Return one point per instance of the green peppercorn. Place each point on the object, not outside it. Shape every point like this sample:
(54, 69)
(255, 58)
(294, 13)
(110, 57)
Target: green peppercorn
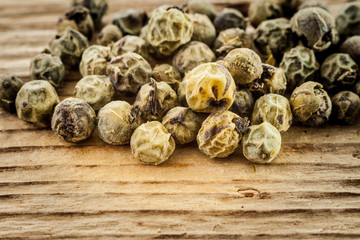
(181, 92)
(313, 3)
(346, 107)
(261, 10)
(357, 88)
(201, 7)
(109, 35)
(351, 46)
(95, 60)
(10, 84)
(229, 18)
(167, 73)
(130, 21)
(204, 30)
(130, 43)
(97, 9)
(348, 19)
(243, 103)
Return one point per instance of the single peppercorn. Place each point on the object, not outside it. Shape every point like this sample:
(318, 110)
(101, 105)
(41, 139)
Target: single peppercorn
(300, 65)
(244, 65)
(109, 35)
(128, 72)
(261, 10)
(152, 150)
(357, 88)
(168, 28)
(73, 120)
(315, 27)
(95, 60)
(130, 43)
(182, 123)
(130, 21)
(204, 30)
(230, 39)
(47, 67)
(167, 73)
(10, 84)
(348, 19)
(96, 90)
(35, 102)
(69, 46)
(311, 104)
(346, 107)
(351, 46)
(243, 103)
(338, 71)
(261, 143)
(181, 92)
(229, 18)
(209, 88)
(313, 3)
(79, 19)
(221, 133)
(201, 7)
(116, 122)
(191, 55)
(274, 109)
(154, 99)
(97, 9)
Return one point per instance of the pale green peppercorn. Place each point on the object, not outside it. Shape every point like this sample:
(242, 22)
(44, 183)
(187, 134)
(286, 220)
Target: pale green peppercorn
(351, 46)
(109, 35)
(97, 9)
(261, 10)
(95, 60)
(243, 103)
(10, 84)
(201, 7)
(346, 107)
(130, 43)
(313, 3)
(348, 19)
(204, 30)
(229, 18)
(167, 73)
(130, 21)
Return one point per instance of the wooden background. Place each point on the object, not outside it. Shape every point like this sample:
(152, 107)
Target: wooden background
(53, 189)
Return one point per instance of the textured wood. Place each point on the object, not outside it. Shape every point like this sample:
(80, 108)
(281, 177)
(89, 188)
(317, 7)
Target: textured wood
(53, 189)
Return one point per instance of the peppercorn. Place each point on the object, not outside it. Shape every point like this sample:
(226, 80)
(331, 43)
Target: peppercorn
(209, 88)
(315, 27)
(151, 143)
(230, 39)
(204, 30)
(96, 90)
(47, 67)
(128, 72)
(272, 80)
(116, 122)
(274, 109)
(201, 7)
(97, 9)
(191, 55)
(357, 88)
(35, 102)
(221, 133)
(299, 65)
(313, 3)
(10, 84)
(167, 73)
(244, 65)
(346, 107)
(95, 60)
(351, 46)
(73, 120)
(181, 92)
(69, 46)
(348, 19)
(130, 43)
(130, 21)
(109, 35)
(229, 18)
(182, 123)
(274, 35)
(168, 28)
(154, 99)
(243, 103)
(261, 10)
(261, 143)
(311, 104)
(79, 19)
(338, 71)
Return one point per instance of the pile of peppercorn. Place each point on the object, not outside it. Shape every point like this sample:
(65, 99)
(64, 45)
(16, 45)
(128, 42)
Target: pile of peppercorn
(239, 77)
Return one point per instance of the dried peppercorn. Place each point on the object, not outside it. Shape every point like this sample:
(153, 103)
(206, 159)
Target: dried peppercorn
(130, 21)
(313, 3)
(73, 120)
(311, 104)
(261, 143)
(152, 150)
(10, 84)
(348, 19)
(209, 88)
(204, 30)
(116, 122)
(274, 109)
(261, 10)
(182, 123)
(191, 55)
(351, 46)
(346, 107)
(181, 92)
(167, 73)
(128, 72)
(96, 90)
(97, 9)
(229, 18)
(338, 71)
(130, 43)
(201, 7)
(95, 60)
(154, 99)
(221, 133)
(357, 88)
(35, 102)
(79, 19)
(69, 46)
(243, 103)
(109, 35)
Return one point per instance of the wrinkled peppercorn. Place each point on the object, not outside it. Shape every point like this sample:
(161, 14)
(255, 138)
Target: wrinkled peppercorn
(243, 103)
(348, 19)
(346, 107)
(95, 60)
(229, 18)
(351, 46)
(201, 7)
(97, 9)
(204, 30)
(10, 84)
(109, 35)
(261, 10)
(167, 73)
(130, 43)
(130, 21)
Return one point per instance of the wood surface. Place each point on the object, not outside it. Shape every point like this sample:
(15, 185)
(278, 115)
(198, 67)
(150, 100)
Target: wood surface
(50, 189)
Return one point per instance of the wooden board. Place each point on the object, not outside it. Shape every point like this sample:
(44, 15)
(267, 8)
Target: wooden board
(53, 189)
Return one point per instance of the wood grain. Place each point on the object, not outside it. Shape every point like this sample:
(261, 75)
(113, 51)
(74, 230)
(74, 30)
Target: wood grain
(50, 189)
